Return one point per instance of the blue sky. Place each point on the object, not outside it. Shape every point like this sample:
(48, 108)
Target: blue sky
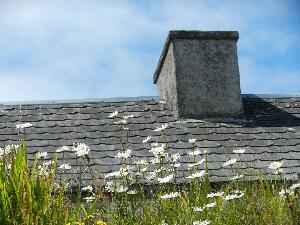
(91, 49)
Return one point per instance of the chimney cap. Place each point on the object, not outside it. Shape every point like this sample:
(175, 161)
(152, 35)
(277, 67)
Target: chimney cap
(192, 34)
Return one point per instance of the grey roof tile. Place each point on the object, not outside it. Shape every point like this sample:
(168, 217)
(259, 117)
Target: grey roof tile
(269, 132)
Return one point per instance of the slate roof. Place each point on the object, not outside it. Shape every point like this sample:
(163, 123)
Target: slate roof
(269, 132)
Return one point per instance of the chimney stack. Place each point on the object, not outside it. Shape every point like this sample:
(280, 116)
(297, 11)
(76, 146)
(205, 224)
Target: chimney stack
(198, 74)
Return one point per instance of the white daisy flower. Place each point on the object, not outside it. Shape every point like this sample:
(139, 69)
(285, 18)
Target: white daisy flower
(8, 166)
(121, 188)
(155, 160)
(166, 179)
(48, 163)
(113, 114)
(234, 196)
(236, 177)
(194, 153)
(124, 155)
(89, 199)
(230, 162)
(230, 197)
(4, 151)
(171, 195)
(88, 188)
(151, 176)
(211, 205)
(158, 151)
(147, 139)
(122, 172)
(192, 140)
(163, 127)
(275, 165)
(131, 192)
(204, 222)
(176, 165)
(121, 122)
(23, 125)
(111, 174)
(63, 149)
(174, 157)
(41, 155)
(109, 186)
(217, 194)
(278, 171)
(284, 192)
(196, 175)
(295, 186)
(10, 147)
(239, 151)
(199, 209)
(127, 117)
(238, 192)
(65, 166)
(154, 144)
(192, 165)
(81, 149)
(143, 170)
(43, 170)
(141, 162)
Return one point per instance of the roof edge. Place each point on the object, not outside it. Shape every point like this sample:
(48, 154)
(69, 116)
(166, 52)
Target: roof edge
(266, 96)
(88, 100)
(191, 34)
(131, 99)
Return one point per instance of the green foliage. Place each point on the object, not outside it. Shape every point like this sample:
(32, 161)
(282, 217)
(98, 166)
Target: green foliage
(28, 195)
(152, 194)
(255, 207)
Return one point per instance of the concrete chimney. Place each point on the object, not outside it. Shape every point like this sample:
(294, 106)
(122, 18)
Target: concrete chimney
(198, 74)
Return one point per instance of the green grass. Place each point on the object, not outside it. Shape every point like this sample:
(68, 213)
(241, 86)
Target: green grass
(29, 197)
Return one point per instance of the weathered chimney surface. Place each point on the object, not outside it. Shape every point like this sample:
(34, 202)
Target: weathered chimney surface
(198, 74)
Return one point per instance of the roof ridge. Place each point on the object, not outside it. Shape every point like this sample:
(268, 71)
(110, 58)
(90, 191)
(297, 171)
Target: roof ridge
(130, 99)
(85, 100)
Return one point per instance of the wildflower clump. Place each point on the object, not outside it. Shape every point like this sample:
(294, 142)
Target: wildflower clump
(163, 185)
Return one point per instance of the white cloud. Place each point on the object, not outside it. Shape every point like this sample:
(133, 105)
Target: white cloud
(22, 86)
(264, 80)
(80, 49)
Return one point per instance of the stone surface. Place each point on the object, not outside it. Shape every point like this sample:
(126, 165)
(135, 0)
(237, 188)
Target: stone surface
(199, 76)
(167, 82)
